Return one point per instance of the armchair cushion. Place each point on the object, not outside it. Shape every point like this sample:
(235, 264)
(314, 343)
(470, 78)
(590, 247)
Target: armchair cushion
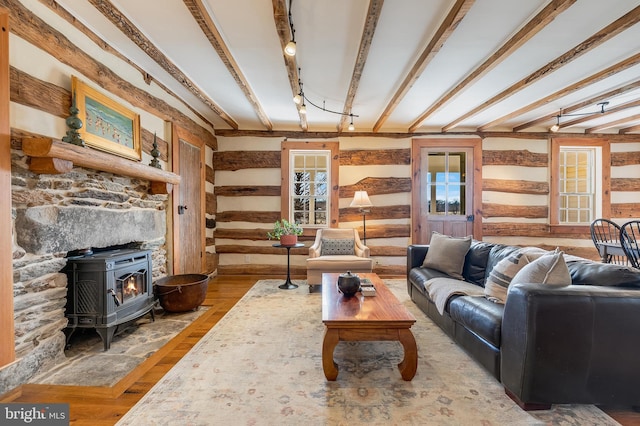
(337, 246)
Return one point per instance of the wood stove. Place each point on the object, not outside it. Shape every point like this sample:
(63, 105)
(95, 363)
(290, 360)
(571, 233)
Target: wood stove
(108, 290)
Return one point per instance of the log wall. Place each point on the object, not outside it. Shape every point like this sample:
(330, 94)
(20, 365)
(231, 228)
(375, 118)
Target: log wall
(515, 199)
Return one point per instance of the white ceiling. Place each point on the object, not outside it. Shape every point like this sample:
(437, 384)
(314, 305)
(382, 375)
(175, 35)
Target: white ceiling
(328, 35)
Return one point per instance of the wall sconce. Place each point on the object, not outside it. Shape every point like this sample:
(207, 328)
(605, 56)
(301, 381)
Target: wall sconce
(361, 200)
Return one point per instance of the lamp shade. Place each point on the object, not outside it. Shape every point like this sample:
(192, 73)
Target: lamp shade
(361, 199)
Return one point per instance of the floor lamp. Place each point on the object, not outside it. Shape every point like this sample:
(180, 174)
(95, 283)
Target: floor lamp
(361, 200)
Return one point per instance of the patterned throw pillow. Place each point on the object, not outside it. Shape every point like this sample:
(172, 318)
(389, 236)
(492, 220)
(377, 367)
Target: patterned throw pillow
(336, 247)
(550, 269)
(495, 289)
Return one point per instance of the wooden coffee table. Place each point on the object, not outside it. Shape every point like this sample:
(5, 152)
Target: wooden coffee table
(370, 318)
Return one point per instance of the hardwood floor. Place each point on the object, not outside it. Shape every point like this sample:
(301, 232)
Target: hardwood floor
(97, 406)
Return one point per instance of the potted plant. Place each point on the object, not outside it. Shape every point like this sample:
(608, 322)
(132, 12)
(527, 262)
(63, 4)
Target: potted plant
(285, 231)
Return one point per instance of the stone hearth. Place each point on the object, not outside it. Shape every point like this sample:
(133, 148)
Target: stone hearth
(87, 364)
(53, 215)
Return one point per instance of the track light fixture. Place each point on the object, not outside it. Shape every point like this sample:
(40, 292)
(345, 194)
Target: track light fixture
(556, 126)
(301, 98)
(290, 48)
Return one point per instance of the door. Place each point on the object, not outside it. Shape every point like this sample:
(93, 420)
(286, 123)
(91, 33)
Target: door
(446, 184)
(188, 203)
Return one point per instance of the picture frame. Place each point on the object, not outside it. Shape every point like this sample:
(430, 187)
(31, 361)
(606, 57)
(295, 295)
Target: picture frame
(106, 125)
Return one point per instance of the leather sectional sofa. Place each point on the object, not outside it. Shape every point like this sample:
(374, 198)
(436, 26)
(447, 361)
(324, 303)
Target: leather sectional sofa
(547, 345)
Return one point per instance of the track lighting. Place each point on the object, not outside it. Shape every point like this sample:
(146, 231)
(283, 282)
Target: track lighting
(290, 48)
(556, 126)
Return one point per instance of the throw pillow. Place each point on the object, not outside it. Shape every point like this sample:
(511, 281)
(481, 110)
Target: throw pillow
(337, 246)
(495, 288)
(446, 254)
(550, 269)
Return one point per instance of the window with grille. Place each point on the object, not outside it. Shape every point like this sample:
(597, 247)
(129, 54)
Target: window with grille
(310, 177)
(578, 185)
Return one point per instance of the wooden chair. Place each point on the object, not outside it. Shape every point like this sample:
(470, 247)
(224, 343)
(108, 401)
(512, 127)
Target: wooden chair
(629, 237)
(606, 237)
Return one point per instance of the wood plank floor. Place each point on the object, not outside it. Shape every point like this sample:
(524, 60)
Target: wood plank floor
(97, 406)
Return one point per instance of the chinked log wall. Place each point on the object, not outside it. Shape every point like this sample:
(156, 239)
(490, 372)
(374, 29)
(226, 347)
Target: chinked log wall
(239, 160)
(525, 158)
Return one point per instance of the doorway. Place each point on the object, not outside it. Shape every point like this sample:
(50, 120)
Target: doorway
(447, 184)
(189, 234)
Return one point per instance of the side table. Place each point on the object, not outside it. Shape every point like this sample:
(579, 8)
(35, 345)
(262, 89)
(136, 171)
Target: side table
(288, 285)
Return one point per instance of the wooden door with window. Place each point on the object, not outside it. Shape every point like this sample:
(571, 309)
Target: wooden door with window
(447, 185)
(189, 234)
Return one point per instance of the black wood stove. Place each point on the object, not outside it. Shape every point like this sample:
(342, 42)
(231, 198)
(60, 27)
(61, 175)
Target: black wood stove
(108, 290)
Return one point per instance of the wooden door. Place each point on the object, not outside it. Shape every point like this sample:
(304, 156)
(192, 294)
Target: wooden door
(445, 189)
(188, 203)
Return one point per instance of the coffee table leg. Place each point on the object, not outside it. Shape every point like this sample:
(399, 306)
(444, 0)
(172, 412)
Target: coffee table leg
(331, 339)
(409, 364)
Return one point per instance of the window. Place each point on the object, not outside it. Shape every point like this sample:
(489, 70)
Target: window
(446, 186)
(577, 185)
(579, 194)
(309, 191)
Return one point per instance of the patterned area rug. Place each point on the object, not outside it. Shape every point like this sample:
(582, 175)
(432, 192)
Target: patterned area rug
(262, 365)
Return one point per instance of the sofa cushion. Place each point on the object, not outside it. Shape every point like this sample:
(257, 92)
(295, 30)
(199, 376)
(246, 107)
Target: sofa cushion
(419, 277)
(500, 276)
(550, 269)
(441, 289)
(476, 262)
(337, 246)
(587, 272)
(447, 254)
(479, 316)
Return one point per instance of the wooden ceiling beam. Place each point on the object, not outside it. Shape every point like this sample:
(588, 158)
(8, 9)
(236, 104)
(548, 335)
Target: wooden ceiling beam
(526, 33)
(607, 33)
(630, 129)
(210, 30)
(373, 14)
(576, 107)
(611, 124)
(73, 20)
(448, 26)
(281, 18)
(589, 117)
(118, 19)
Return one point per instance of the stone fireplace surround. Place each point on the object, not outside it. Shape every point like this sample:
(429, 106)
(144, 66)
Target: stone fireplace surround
(53, 215)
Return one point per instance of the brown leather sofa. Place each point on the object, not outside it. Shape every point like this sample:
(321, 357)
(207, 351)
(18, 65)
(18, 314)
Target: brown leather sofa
(547, 345)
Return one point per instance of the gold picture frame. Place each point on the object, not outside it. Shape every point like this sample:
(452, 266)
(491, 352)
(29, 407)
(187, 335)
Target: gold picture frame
(106, 125)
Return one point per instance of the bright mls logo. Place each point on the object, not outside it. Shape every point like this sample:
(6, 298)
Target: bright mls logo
(34, 414)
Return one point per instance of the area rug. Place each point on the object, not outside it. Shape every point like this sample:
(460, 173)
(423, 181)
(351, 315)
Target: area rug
(262, 365)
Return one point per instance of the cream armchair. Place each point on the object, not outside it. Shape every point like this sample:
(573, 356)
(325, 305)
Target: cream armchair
(336, 250)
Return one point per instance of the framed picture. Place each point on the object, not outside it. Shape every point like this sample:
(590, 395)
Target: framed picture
(107, 125)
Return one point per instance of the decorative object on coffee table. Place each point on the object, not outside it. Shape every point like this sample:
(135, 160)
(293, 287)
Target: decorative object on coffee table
(348, 283)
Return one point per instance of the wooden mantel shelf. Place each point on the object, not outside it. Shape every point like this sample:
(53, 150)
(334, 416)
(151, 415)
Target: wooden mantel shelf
(54, 157)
